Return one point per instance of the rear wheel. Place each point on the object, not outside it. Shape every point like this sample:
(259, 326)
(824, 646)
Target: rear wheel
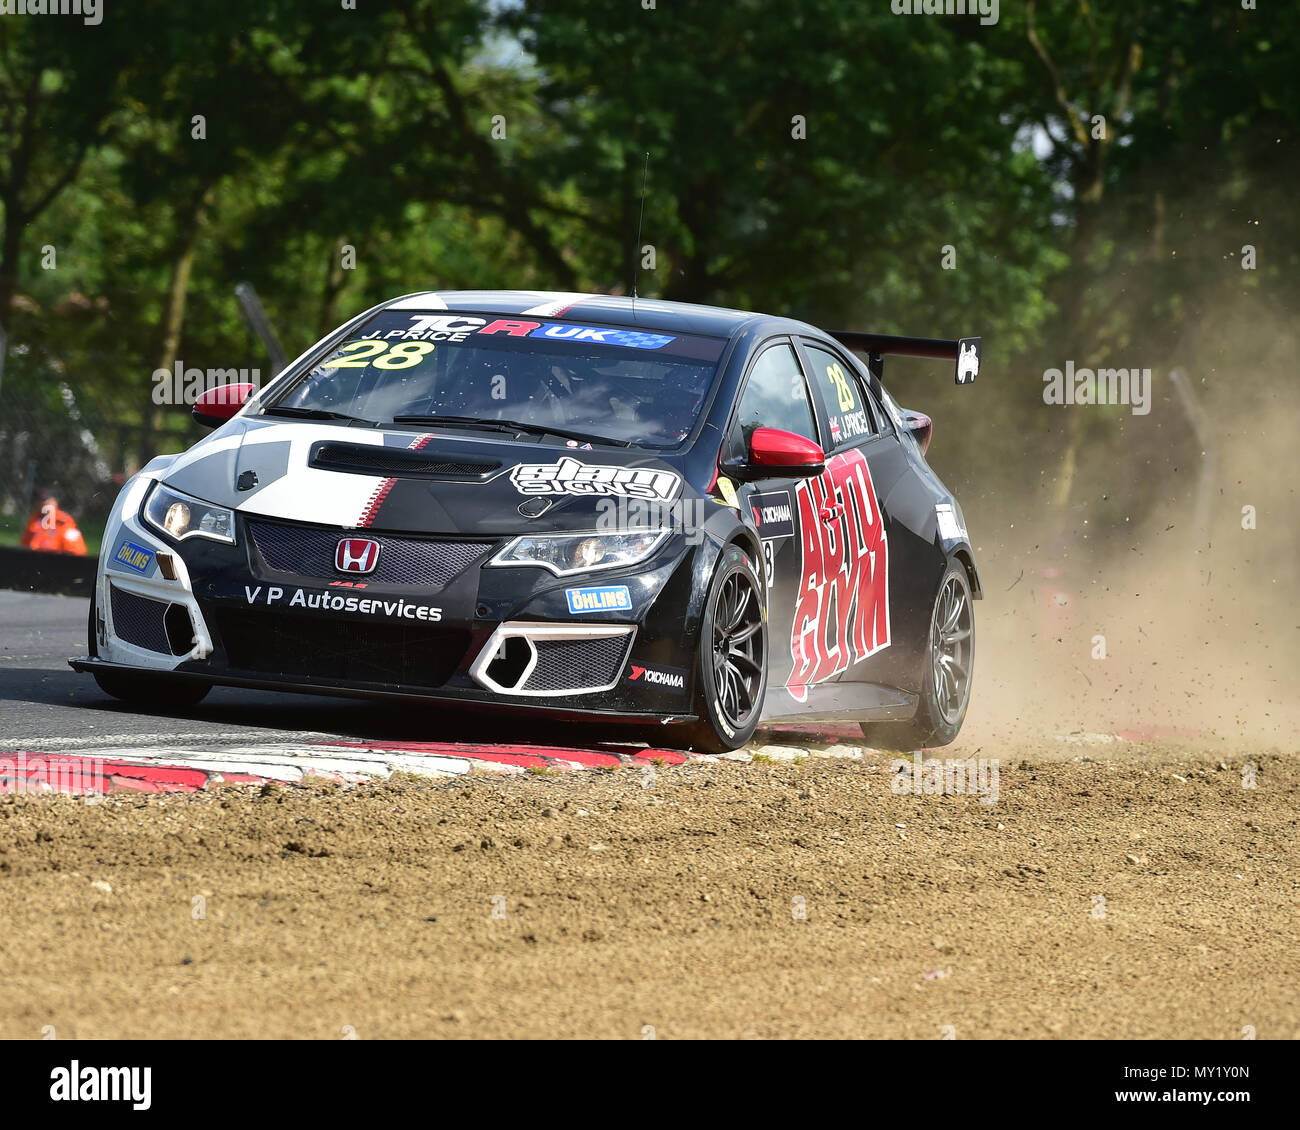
(732, 654)
(945, 693)
(143, 688)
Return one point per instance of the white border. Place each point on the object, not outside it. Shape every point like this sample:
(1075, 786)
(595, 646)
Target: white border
(532, 630)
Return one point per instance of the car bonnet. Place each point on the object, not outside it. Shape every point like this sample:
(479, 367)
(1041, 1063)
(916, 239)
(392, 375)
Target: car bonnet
(438, 482)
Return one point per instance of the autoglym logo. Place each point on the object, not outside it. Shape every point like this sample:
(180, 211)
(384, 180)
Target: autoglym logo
(356, 555)
(842, 605)
(568, 476)
(674, 678)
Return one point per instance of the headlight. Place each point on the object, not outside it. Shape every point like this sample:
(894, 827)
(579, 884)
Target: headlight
(563, 554)
(182, 516)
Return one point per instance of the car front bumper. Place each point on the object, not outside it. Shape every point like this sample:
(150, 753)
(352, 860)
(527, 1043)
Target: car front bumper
(271, 612)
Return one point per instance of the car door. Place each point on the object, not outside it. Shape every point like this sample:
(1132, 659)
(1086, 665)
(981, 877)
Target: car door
(852, 566)
(775, 394)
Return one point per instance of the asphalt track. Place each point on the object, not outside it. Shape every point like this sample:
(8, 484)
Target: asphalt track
(47, 705)
(47, 710)
(237, 735)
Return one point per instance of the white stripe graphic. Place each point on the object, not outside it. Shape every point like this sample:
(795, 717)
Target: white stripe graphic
(556, 301)
(429, 300)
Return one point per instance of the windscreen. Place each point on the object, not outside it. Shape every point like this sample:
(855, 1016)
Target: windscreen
(599, 382)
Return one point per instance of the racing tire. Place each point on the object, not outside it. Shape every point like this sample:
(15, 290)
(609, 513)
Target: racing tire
(732, 657)
(144, 688)
(949, 667)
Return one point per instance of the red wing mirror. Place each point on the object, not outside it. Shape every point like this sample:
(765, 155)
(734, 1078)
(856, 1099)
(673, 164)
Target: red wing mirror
(921, 427)
(219, 404)
(777, 454)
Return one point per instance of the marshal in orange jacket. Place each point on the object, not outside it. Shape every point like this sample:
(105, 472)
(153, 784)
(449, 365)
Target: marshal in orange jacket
(52, 530)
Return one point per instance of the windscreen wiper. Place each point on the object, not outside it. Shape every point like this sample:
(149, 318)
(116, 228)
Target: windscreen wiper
(511, 426)
(315, 414)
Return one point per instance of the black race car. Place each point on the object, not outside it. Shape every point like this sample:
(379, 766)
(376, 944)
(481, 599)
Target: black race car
(580, 506)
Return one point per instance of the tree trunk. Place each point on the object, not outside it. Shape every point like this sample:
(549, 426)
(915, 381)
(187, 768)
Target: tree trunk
(334, 279)
(9, 252)
(182, 264)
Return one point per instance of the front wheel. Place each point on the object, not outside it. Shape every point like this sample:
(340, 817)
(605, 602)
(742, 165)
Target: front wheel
(732, 655)
(945, 692)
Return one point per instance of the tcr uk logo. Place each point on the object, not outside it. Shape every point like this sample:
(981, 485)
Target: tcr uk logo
(841, 612)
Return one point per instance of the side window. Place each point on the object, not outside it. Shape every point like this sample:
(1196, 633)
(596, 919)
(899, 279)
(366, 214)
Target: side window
(776, 396)
(890, 415)
(875, 409)
(848, 412)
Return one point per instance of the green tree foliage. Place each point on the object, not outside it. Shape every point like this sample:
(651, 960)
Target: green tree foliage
(823, 158)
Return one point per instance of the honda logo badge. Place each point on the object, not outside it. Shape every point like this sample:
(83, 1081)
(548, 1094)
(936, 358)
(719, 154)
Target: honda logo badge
(356, 555)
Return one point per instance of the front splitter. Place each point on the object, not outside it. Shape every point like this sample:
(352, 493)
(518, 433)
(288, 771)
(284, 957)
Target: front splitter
(89, 664)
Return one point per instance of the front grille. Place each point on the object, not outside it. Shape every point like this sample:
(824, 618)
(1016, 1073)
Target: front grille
(277, 643)
(577, 664)
(397, 462)
(308, 551)
(139, 620)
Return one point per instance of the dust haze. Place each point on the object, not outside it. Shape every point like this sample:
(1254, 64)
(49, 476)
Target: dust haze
(1193, 611)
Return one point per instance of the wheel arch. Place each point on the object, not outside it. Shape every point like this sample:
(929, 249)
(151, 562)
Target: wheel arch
(716, 732)
(963, 554)
(714, 542)
(744, 537)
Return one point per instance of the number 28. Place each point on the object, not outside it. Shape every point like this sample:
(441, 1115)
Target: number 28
(366, 353)
(842, 389)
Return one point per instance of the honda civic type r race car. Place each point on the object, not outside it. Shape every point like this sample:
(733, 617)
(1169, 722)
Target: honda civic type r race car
(586, 507)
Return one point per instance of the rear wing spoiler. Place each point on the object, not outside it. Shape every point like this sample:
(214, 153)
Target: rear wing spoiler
(964, 351)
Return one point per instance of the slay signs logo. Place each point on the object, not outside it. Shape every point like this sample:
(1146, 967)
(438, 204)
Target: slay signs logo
(841, 613)
(568, 476)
